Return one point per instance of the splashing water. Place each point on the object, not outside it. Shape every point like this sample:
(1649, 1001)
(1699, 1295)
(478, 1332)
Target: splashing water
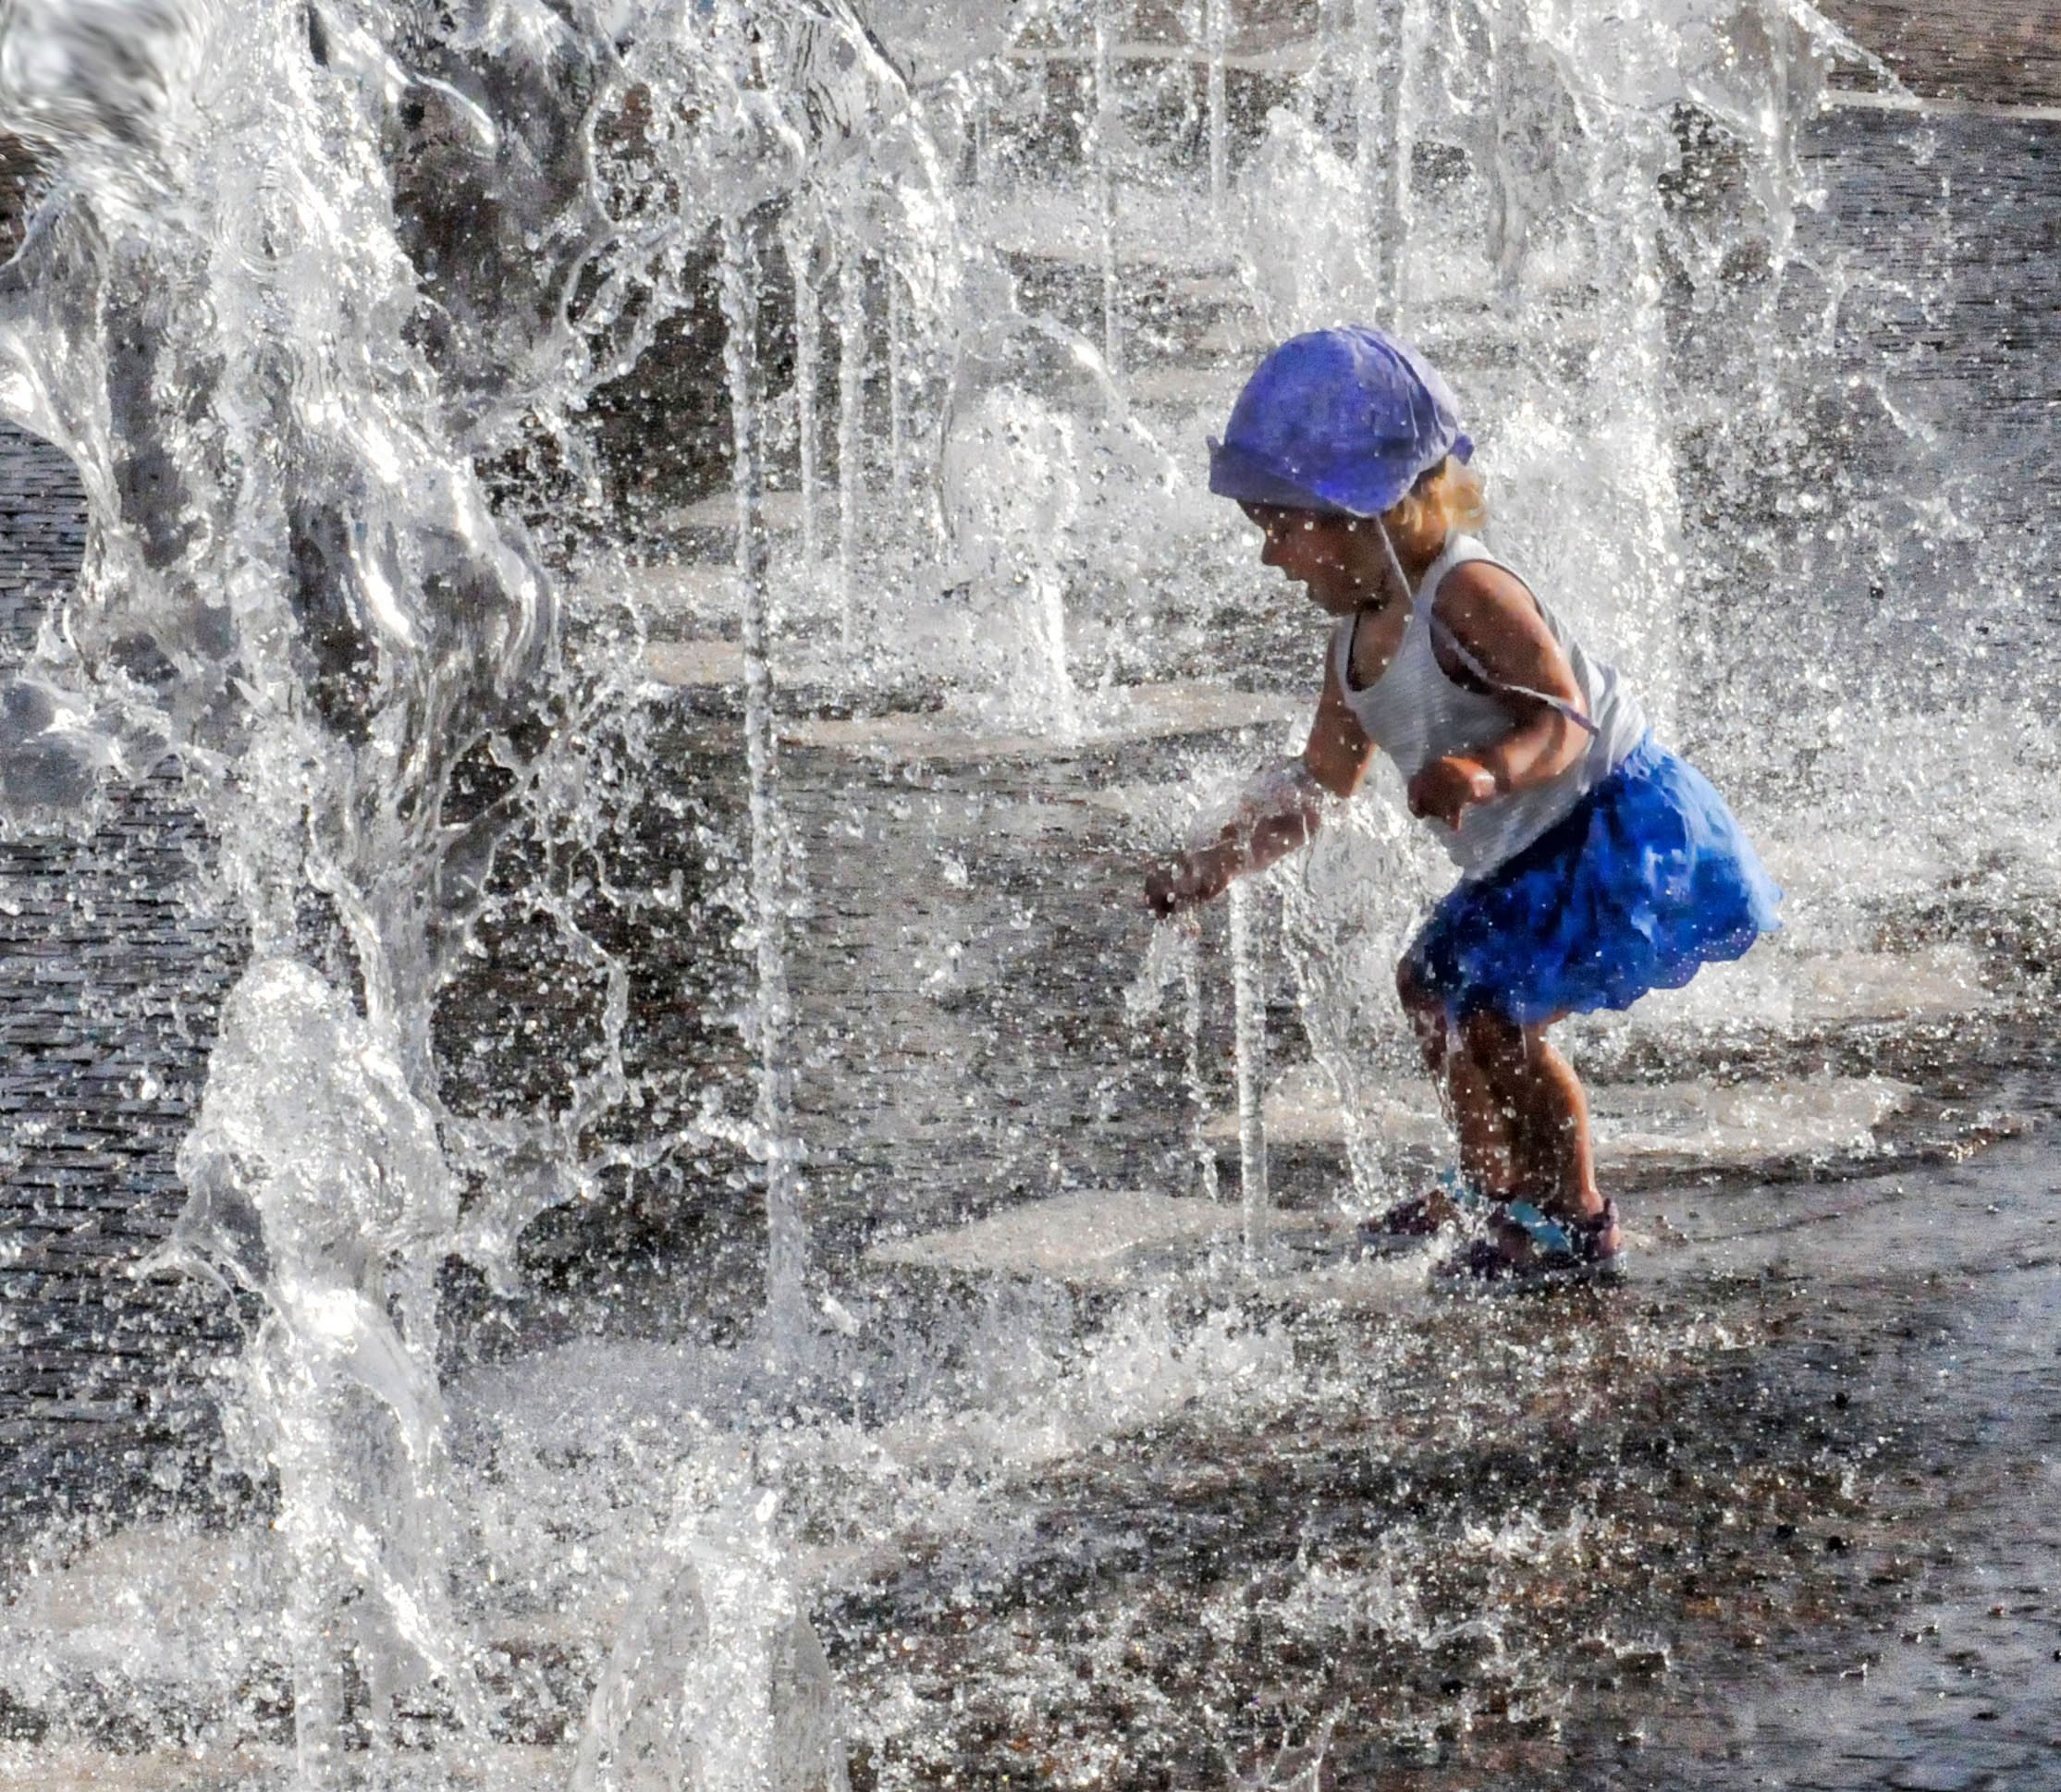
(384, 336)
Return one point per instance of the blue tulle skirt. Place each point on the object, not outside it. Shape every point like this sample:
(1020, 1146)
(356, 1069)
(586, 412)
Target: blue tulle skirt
(1647, 881)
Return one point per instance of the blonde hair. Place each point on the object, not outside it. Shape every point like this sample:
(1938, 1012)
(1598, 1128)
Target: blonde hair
(1445, 497)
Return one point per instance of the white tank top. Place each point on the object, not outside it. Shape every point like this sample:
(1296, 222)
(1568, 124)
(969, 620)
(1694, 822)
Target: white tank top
(1415, 713)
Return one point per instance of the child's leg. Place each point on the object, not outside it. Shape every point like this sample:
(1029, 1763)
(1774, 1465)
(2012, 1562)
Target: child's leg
(1555, 1129)
(1480, 1116)
(1488, 1153)
(1548, 1111)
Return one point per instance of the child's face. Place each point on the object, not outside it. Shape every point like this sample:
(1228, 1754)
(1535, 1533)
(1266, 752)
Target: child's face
(1336, 562)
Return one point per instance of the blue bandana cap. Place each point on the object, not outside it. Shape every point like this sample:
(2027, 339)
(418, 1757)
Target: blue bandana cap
(1341, 421)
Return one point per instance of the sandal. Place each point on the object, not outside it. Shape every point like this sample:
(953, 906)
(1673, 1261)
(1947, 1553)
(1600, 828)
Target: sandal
(1523, 1246)
(1448, 1202)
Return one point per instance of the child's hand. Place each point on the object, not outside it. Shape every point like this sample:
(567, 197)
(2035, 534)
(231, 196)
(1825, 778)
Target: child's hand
(1185, 881)
(1443, 788)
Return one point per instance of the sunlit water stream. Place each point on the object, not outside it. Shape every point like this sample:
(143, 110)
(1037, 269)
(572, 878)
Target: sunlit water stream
(735, 1221)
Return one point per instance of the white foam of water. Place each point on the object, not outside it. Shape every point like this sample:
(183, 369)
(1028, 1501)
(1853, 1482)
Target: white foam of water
(75, 1767)
(1249, 1064)
(1068, 1234)
(328, 1196)
(716, 1680)
(656, 1421)
(1380, 1599)
(1013, 497)
(170, 1610)
(1143, 1368)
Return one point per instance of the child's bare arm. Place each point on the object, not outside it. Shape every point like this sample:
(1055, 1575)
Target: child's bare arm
(1338, 752)
(1497, 620)
(1273, 821)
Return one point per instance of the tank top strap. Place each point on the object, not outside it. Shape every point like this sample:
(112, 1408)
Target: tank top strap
(1459, 551)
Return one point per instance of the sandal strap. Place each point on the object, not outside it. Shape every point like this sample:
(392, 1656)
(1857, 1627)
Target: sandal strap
(1550, 1237)
(1578, 1241)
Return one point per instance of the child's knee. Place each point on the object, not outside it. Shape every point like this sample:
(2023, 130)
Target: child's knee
(1418, 1002)
(1491, 1038)
(1424, 1011)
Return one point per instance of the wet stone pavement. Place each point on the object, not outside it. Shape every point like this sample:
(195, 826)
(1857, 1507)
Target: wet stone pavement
(108, 987)
(1777, 1511)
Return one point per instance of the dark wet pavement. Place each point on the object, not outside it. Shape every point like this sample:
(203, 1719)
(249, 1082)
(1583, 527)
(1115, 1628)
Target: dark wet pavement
(111, 968)
(1777, 1510)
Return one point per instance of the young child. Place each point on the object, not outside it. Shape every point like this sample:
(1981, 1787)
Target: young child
(1594, 865)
